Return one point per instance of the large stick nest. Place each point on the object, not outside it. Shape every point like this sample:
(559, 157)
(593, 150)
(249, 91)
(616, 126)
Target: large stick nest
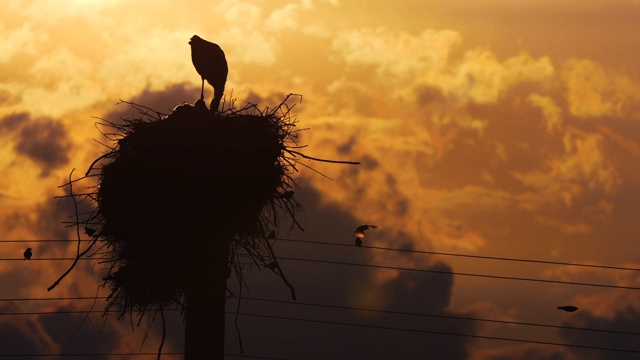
(171, 182)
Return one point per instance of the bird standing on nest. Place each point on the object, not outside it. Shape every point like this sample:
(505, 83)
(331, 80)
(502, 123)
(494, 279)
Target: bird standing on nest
(210, 62)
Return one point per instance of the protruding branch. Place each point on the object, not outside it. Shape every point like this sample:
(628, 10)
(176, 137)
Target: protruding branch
(78, 253)
(322, 160)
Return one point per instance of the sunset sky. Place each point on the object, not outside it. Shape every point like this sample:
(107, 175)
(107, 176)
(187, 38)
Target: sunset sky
(484, 127)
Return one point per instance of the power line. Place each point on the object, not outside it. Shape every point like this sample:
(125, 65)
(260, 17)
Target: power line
(394, 268)
(49, 259)
(61, 312)
(308, 304)
(56, 298)
(461, 273)
(439, 316)
(255, 357)
(42, 241)
(326, 306)
(132, 354)
(462, 255)
(437, 332)
(89, 354)
(498, 258)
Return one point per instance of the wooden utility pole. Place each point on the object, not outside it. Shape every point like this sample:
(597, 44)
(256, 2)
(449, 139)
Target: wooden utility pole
(205, 300)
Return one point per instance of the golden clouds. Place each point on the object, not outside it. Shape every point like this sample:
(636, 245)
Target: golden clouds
(402, 61)
(550, 110)
(587, 85)
(482, 78)
(582, 166)
(16, 41)
(396, 54)
(593, 91)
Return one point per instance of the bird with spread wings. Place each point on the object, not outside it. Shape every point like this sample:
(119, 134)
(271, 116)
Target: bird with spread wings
(359, 232)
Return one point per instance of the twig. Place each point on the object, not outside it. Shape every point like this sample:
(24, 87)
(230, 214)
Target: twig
(281, 273)
(138, 106)
(236, 321)
(314, 170)
(96, 160)
(323, 160)
(78, 253)
(164, 332)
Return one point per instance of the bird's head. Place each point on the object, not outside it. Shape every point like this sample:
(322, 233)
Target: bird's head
(28, 249)
(194, 38)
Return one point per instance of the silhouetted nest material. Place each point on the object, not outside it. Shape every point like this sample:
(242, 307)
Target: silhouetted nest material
(189, 181)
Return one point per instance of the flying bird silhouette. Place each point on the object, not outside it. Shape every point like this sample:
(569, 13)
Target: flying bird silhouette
(27, 254)
(568, 308)
(362, 228)
(210, 62)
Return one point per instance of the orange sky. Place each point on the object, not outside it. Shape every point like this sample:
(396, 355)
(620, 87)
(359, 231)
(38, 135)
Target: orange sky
(484, 127)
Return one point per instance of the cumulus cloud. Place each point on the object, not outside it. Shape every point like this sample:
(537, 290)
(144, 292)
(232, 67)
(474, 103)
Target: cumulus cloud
(396, 54)
(593, 91)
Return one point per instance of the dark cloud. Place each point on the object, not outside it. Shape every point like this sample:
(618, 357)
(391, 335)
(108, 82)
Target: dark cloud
(347, 146)
(270, 101)
(350, 286)
(427, 95)
(625, 319)
(13, 122)
(17, 340)
(529, 353)
(7, 98)
(92, 337)
(52, 216)
(162, 101)
(43, 140)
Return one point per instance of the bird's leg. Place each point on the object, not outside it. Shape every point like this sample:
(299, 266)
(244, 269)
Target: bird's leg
(202, 90)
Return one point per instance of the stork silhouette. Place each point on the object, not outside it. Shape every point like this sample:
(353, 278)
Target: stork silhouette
(210, 62)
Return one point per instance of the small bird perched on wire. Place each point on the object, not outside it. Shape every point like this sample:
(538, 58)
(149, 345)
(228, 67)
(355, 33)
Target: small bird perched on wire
(568, 308)
(210, 62)
(89, 231)
(27, 254)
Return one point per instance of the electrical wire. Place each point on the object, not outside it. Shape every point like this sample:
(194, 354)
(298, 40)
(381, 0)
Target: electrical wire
(496, 258)
(328, 307)
(547, 262)
(439, 316)
(132, 354)
(55, 298)
(400, 268)
(437, 332)
(87, 354)
(460, 273)
(62, 312)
